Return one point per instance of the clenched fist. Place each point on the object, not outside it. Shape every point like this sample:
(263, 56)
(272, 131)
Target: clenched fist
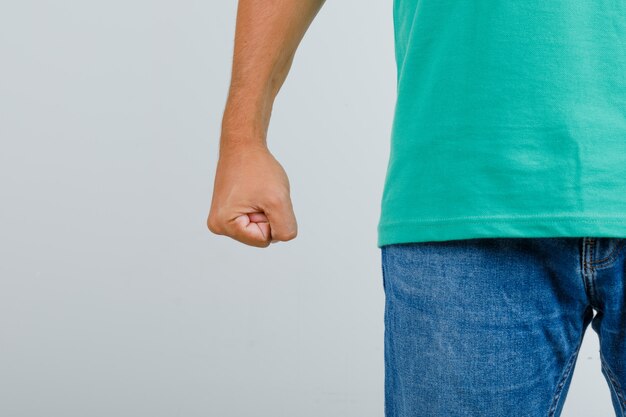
(251, 201)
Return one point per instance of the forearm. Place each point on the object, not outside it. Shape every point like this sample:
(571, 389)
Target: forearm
(267, 35)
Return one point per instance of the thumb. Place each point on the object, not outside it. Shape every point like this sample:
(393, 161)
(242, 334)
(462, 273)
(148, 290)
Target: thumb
(252, 229)
(262, 222)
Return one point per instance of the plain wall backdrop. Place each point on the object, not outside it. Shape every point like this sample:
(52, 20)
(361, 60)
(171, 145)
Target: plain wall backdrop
(115, 300)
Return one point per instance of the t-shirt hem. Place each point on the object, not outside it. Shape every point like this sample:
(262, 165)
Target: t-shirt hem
(486, 227)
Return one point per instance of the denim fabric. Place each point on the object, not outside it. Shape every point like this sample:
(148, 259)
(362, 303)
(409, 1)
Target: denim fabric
(491, 327)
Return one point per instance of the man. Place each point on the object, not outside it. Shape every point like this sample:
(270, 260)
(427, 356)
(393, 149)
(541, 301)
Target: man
(503, 222)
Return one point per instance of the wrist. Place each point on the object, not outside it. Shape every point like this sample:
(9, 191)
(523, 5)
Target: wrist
(240, 141)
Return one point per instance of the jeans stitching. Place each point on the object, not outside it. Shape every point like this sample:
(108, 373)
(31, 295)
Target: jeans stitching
(613, 383)
(559, 388)
(566, 373)
(592, 275)
(587, 271)
(382, 266)
(615, 249)
(593, 279)
(615, 253)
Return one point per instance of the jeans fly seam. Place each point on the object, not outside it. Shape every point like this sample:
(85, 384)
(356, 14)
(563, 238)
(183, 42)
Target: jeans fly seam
(588, 272)
(594, 290)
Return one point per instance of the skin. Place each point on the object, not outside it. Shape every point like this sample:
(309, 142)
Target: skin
(251, 197)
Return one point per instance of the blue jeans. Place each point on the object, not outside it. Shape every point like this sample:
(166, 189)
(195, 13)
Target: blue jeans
(491, 327)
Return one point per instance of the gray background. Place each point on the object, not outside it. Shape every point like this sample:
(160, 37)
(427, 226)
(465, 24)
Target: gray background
(114, 298)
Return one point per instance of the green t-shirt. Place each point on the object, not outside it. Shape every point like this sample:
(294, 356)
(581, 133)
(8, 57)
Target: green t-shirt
(510, 120)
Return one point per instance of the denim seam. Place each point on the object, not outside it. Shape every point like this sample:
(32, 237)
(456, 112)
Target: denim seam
(588, 272)
(616, 248)
(615, 386)
(566, 373)
(593, 278)
(592, 275)
(608, 260)
(382, 266)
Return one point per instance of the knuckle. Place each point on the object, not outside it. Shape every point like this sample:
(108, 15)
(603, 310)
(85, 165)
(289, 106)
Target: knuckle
(213, 225)
(258, 243)
(291, 234)
(287, 235)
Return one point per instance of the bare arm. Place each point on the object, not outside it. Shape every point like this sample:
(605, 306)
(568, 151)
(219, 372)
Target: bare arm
(251, 201)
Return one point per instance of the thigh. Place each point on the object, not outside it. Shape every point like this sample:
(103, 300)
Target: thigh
(605, 273)
(481, 327)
